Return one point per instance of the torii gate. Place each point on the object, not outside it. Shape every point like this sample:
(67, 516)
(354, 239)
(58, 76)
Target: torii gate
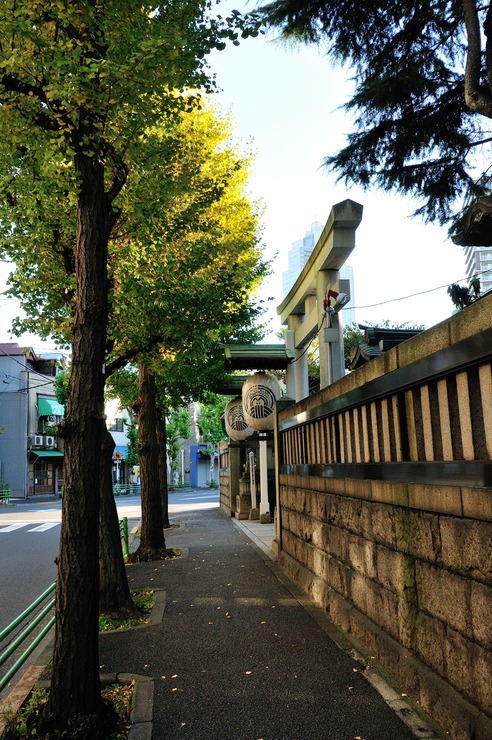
(303, 309)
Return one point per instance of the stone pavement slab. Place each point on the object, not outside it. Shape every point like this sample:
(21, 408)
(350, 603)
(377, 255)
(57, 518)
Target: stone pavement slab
(236, 656)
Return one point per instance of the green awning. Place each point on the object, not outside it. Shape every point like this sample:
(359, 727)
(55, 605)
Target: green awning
(47, 453)
(257, 356)
(230, 385)
(50, 407)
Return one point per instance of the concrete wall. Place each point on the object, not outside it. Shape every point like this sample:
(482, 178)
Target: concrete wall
(13, 442)
(402, 565)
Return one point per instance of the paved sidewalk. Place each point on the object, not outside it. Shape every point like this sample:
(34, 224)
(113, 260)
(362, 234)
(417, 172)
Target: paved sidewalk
(236, 655)
(261, 535)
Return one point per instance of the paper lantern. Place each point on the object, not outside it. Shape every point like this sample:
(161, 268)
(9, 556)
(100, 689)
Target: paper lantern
(236, 425)
(260, 392)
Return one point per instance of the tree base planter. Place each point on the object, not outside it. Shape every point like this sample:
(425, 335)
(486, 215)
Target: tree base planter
(136, 723)
(148, 554)
(139, 723)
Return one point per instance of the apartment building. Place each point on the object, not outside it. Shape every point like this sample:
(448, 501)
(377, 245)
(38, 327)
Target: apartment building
(31, 460)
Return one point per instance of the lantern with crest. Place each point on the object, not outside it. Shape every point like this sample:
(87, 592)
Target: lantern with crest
(260, 391)
(236, 425)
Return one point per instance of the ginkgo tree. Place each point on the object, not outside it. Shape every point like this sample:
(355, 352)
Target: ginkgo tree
(185, 283)
(184, 261)
(79, 82)
(195, 249)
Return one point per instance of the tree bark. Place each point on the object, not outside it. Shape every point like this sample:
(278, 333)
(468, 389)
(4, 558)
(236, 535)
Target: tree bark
(75, 688)
(152, 542)
(162, 442)
(114, 592)
(477, 97)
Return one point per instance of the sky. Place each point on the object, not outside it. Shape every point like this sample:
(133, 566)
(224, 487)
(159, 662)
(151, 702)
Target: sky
(285, 104)
(289, 102)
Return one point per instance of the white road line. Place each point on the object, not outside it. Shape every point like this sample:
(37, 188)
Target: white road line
(12, 527)
(44, 527)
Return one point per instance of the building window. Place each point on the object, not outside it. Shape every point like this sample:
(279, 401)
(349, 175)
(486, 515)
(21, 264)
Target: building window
(117, 425)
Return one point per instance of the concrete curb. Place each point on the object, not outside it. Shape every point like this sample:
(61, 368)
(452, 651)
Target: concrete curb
(155, 615)
(142, 702)
(415, 718)
(143, 697)
(20, 692)
(32, 676)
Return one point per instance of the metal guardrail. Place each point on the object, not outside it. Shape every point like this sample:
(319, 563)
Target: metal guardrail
(126, 489)
(28, 629)
(124, 536)
(31, 625)
(5, 494)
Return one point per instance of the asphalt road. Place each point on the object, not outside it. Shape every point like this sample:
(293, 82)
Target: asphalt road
(29, 540)
(29, 537)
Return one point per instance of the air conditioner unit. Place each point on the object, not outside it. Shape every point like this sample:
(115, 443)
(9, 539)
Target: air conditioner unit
(38, 441)
(49, 441)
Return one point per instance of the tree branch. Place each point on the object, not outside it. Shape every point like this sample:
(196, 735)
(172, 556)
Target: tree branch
(41, 118)
(132, 352)
(12, 83)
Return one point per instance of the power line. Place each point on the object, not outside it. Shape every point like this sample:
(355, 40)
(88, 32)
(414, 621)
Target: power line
(382, 303)
(23, 390)
(28, 369)
(414, 295)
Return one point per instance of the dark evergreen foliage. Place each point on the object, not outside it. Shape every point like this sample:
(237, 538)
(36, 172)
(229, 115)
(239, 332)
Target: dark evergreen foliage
(422, 98)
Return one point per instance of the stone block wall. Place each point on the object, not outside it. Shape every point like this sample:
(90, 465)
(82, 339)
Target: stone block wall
(406, 570)
(225, 482)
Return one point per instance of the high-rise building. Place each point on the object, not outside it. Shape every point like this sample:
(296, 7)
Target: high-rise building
(478, 261)
(299, 254)
(297, 257)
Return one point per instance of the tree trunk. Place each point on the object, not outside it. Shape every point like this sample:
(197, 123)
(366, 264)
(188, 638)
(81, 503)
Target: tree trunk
(114, 592)
(75, 689)
(162, 442)
(152, 543)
